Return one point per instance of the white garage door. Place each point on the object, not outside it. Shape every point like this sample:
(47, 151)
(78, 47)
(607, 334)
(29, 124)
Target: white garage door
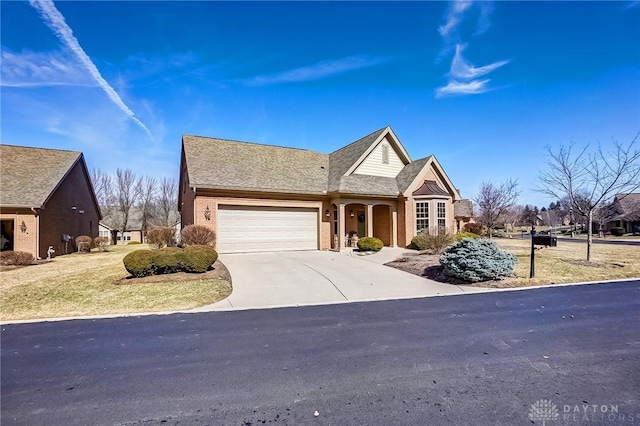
(252, 229)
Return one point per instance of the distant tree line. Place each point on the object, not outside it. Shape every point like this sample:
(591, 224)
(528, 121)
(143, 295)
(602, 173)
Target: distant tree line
(154, 200)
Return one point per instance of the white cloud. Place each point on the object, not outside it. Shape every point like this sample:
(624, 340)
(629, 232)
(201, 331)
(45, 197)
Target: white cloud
(316, 71)
(38, 69)
(455, 15)
(54, 20)
(463, 88)
(461, 69)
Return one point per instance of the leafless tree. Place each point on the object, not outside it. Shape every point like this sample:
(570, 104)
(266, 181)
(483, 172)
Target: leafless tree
(125, 196)
(146, 189)
(167, 202)
(494, 201)
(593, 176)
(512, 216)
(102, 186)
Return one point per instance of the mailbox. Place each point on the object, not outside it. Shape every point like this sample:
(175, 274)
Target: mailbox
(545, 240)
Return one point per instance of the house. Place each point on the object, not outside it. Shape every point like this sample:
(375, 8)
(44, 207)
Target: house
(270, 198)
(109, 226)
(624, 212)
(46, 199)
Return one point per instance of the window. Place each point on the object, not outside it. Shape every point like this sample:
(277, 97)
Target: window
(422, 216)
(385, 154)
(442, 215)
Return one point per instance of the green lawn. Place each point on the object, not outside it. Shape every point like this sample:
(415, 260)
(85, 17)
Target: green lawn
(86, 284)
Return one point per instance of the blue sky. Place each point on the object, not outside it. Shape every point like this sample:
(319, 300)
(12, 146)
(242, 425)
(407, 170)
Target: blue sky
(484, 86)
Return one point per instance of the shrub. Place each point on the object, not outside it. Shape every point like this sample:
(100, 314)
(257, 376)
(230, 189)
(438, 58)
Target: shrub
(199, 258)
(617, 231)
(370, 244)
(193, 259)
(139, 263)
(474, 228)
(102, 243)
(15, 258)
(197, 235)
(83, 242)
(162, 236)
(463, 235)
(434, 241)
(477, 260)
(133, 243)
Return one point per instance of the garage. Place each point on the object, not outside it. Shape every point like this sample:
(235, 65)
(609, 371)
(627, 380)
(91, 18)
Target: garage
(259, 229)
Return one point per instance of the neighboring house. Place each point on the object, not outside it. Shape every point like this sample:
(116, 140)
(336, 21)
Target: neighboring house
(109, 226)
(462, 213)
(46, 199)
(269, 198)
(624, 212)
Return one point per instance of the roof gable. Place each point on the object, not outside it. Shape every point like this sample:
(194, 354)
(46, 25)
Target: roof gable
(431, 170)
(29, 176)
(385, 135)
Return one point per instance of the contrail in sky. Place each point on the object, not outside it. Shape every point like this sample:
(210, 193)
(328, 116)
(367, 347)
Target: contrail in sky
(54, 19)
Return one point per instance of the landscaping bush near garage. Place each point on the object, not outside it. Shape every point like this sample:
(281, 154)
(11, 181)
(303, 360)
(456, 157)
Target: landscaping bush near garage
(477, 260)
(193, 259)
(83, 242)
(162, 236)
(475, 228)
(194, 235)
(16, 258)
(617, 231)
(370, 244)
(462, 235)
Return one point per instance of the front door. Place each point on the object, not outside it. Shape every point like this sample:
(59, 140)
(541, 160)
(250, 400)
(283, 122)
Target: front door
(361, 222)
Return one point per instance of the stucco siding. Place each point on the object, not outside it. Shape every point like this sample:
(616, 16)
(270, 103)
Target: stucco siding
(373, 165)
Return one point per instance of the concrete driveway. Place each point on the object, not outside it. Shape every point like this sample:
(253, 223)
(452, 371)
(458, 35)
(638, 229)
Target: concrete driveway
(268, 280)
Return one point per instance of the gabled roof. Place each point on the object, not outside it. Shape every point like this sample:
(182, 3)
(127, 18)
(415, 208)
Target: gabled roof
(463, 208)
(233, 165)
(627, 206)
(28, 176)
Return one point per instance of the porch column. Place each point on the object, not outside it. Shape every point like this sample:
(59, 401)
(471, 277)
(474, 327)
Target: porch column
(369, 220)
(394, 226)
(341, 226)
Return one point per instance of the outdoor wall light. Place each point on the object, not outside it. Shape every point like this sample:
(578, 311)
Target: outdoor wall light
(327, 213)
(351, 213)
(23, 227)
(207, 213)
(73, 207)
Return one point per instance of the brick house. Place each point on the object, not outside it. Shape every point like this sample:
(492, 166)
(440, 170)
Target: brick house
(269, 198)
(46, 197)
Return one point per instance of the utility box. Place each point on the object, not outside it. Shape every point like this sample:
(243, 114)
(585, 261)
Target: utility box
(545, 240)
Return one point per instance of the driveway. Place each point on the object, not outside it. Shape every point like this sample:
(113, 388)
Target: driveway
(268, 280)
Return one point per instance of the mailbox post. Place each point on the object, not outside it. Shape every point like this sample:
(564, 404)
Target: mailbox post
(540, 240)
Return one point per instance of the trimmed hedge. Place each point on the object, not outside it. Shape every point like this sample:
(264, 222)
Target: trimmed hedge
(83, 242)
(617, 231)
(15, 258)
(463, 235)
(477, 260)
(133, 243)
(370, 244)
(192, 259)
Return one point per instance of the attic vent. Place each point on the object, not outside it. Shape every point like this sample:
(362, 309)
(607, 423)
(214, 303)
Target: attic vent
(385, 154)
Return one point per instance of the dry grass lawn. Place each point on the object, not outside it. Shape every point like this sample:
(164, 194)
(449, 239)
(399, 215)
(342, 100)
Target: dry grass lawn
(554, 265)
(92, 284)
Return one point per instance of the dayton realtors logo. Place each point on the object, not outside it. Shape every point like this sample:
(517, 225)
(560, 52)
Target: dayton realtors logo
(545, 411)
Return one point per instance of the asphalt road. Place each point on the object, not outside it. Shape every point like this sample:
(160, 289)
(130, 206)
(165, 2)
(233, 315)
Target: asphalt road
(608, 240)
(480, 359)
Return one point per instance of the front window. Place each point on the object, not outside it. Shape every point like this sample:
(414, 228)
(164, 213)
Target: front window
(442, 215)
(422, 216)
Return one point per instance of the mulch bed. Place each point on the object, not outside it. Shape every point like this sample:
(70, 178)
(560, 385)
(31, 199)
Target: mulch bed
(219, 272)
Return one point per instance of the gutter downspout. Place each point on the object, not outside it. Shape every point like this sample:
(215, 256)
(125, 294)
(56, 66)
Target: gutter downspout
(37, 215)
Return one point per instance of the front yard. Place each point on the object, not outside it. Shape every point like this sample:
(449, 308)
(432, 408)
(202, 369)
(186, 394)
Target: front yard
(96, 284)
(554, 265)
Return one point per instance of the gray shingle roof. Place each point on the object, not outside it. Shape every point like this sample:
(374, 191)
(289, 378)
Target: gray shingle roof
(28, 176)
(233, 165)
(463, 208)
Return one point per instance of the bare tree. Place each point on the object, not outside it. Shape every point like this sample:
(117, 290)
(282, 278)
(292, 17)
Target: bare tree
(146, 189)
(125, 196)
(495, 200)
(512, 216)
(589, 179)
(167, 202)
(102, 186)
